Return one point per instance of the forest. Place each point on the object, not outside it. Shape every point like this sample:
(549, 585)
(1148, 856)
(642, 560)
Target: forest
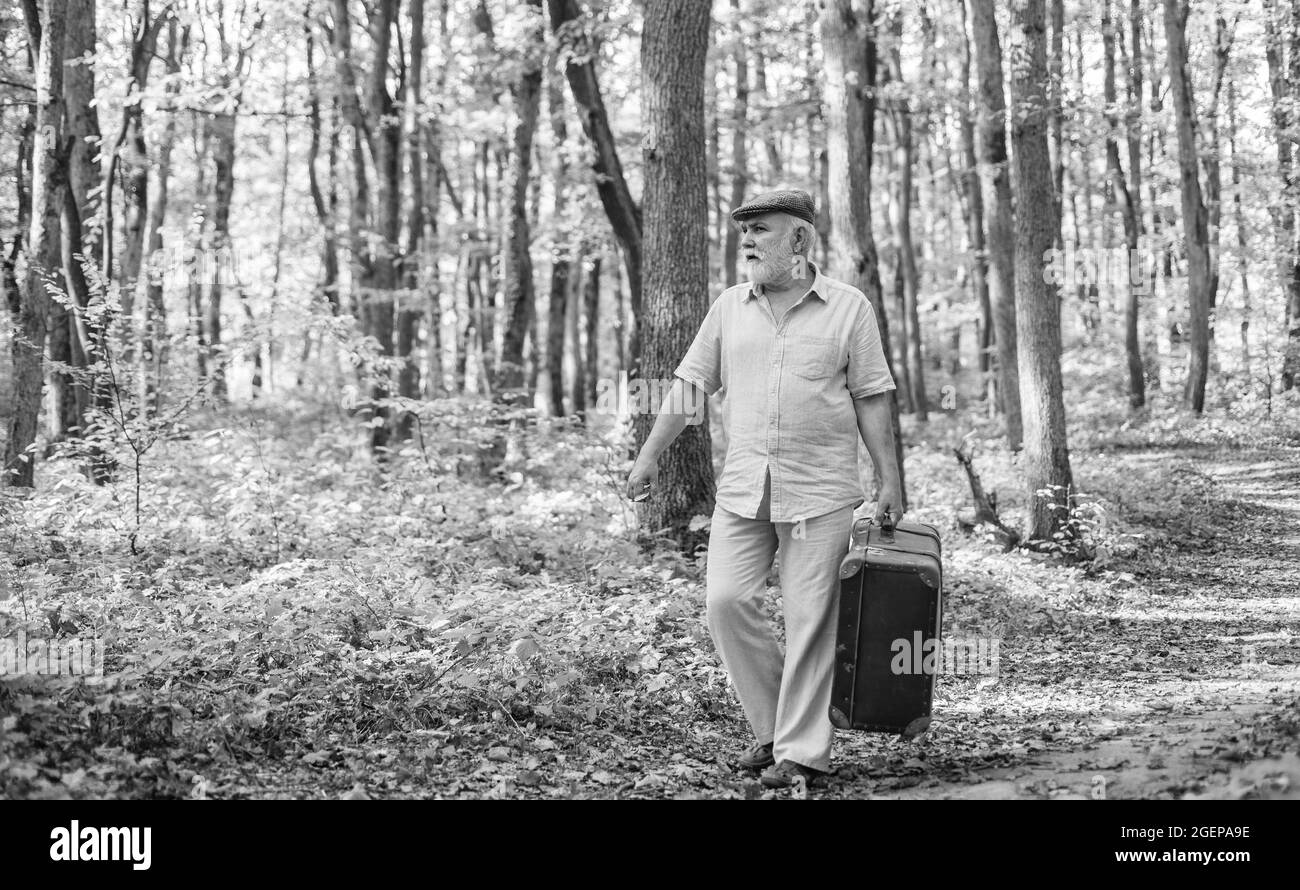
(331, 329)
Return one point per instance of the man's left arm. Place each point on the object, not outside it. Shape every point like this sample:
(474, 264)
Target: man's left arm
(871, 386)
(876, 426)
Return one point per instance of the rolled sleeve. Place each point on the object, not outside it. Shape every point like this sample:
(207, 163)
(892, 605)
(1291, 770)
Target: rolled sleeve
(702, 365)
(868, 370)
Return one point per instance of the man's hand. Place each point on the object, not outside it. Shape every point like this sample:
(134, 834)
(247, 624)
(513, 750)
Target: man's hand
(890, 501)
(641, 480)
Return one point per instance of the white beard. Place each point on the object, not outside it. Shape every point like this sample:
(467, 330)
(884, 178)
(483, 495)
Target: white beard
(777, 268)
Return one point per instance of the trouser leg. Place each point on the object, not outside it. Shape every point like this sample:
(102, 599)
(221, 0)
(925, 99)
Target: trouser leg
(809, 566)
(740, 556)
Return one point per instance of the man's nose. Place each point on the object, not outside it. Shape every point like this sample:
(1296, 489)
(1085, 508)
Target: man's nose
(746, 241)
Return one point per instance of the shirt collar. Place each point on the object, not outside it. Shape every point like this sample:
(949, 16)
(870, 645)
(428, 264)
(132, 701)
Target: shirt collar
(818, 288)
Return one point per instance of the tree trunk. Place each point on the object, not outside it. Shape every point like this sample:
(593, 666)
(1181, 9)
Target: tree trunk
(904, 160)
(1038, 319)
(519, 295)
(591, 314)
(80, 241)
(770, 146)
(1120, 188)
(1284, 87)
(739, 126)
(1056, 116)
(561, 307)
(970, 183)
(1243, 241)
(154, 341)
(849, 45)
(673, 49)
(624, 216)
(1195, 223)
(995, 183)
(44, 260)
(412, 308)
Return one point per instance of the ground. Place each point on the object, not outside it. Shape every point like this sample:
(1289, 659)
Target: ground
(299, 622)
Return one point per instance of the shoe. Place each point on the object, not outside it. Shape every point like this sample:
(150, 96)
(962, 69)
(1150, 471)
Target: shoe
(757, 757)
(786, 773)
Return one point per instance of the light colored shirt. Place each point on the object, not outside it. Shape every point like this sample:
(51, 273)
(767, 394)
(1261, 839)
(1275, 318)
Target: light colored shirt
(788, 389)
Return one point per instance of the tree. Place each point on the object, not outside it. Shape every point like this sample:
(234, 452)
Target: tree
(849, 44)
(673, 48)
(45, 29)
(80, 241)
(739, 127)
(560, 306)
(995, 183)
(1038, 320)
(577, 49)
(1195, 219)
(970, 183)
(1284, 85)
(1118, 186)
(904, 161)
(527, 91)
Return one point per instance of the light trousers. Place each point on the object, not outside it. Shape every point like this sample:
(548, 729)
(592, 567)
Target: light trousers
(785, 697)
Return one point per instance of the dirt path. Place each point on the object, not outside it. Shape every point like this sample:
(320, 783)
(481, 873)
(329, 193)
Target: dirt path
(1182, 682)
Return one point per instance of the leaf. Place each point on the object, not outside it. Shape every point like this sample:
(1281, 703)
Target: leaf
(524, 649)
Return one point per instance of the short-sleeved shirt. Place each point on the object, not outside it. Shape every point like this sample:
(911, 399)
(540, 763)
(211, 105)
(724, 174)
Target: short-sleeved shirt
(788, 390)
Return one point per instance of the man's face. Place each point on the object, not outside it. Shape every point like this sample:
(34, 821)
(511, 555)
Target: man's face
(767, 247)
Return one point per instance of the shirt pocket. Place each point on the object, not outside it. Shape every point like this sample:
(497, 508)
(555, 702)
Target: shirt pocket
(813, 358)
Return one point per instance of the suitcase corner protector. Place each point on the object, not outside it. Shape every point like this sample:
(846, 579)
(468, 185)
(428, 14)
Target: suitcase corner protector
(839, 719)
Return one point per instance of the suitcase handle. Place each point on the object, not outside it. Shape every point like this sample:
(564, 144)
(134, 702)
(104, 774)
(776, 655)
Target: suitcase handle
(887, 527)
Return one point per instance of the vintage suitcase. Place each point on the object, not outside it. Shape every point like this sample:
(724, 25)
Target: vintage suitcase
(887, 648)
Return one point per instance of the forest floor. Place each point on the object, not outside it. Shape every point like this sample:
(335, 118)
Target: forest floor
(297, 621)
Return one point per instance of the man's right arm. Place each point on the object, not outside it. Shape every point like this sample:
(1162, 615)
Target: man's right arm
(680, 407)
(696, 378)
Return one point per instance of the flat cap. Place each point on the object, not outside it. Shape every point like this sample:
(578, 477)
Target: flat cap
(795, 202)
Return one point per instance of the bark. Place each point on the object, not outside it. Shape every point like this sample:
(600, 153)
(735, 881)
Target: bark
(975, 215)
(154, 340)
(1038, 320)
(848, 38)
(71, 391)
(1124, 195)
(770, 145)
(673, 50)
(1284, 87)
(1055, 120)
(385, 260)
(624, 216)
(739, 126)
(412, 310)
(591, 315)
(519, 294)
(1195, 220)
(1213, 180)
(904, 160)
(325, 207)
(435, 384)
(134, 156)
(561, 307)
(44, 260)
(995, 183)
(1243, 241)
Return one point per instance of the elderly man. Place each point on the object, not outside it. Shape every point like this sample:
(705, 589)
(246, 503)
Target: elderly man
(799, 359)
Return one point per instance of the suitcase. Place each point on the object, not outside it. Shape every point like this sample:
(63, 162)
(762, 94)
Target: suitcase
(887, 648)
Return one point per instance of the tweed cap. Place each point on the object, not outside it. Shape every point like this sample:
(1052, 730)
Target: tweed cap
(795, 202)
